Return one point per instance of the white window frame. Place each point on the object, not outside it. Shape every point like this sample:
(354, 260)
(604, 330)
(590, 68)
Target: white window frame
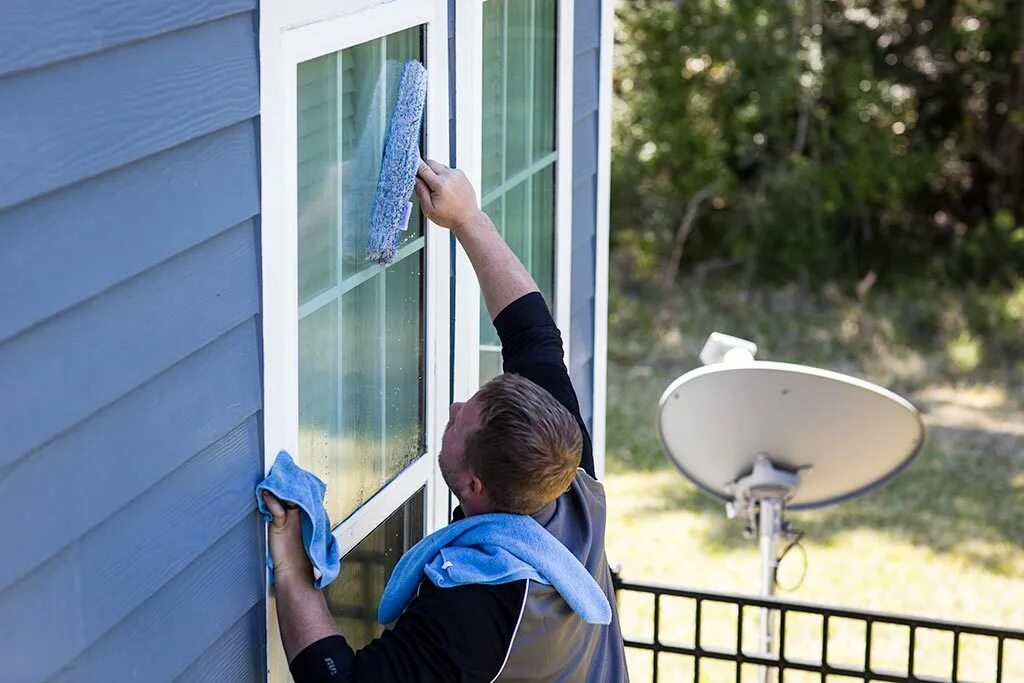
(602, 233)
(468, 129)
(290, 33)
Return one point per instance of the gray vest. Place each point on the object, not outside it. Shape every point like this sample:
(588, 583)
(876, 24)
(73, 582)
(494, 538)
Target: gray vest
(552, 643)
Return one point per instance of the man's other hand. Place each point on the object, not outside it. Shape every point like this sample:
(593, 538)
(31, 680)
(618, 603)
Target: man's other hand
(446, 195)
(284, 537)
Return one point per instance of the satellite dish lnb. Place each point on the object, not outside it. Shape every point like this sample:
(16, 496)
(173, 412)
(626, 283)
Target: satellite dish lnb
(725, 347)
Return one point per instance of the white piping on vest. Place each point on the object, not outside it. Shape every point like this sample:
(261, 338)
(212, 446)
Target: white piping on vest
(512, 640)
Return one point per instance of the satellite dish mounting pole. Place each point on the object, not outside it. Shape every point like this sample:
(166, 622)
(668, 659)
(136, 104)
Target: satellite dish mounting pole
(761, 496)
(769, 527)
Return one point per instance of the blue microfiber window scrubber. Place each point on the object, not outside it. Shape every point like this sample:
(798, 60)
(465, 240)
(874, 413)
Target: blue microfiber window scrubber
(391, 205)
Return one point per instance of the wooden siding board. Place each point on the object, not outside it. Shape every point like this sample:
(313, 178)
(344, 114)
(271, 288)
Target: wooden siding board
(190, 612)
(584, 147)
(587, 28)
(582, 337)
(583, 270)
(118, 106)
(106, 461)
(233, 658)
(65, 369)
(586, 79)
(584, 211)
(55, 251)
(35, 33)
(586, 70)
(129, 351)
(65, 606)
(583, 379)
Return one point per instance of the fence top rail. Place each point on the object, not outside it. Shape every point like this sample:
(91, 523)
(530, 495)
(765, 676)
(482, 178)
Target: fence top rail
(787, 664)
(777, 662)
(824, 610)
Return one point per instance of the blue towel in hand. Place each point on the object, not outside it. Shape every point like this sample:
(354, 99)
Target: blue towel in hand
(492, 549)
(292, 484)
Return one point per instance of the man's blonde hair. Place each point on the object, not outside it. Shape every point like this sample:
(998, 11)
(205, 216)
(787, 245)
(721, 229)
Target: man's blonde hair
(527, 446)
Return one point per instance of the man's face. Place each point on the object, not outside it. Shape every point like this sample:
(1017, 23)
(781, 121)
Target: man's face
(463, 420)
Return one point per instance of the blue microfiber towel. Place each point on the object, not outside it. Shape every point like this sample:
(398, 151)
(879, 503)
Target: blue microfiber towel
(492, 549)
(292, 484)
(391, 205)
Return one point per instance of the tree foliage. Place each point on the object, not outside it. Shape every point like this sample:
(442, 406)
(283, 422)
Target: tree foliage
(822, 139)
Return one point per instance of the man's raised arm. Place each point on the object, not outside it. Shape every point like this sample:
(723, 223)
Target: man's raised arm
(448, 199)
(531, 342)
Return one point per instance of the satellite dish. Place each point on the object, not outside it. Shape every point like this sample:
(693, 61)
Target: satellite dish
(766, 437)
(843, 435)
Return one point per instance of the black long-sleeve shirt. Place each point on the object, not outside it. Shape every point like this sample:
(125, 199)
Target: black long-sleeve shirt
(464, 633)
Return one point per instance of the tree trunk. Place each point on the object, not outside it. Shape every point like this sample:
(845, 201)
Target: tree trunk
(682, 233)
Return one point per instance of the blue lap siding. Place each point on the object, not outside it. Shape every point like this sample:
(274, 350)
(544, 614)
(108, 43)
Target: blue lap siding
(130, 355)
(129, 341)
(586, 72)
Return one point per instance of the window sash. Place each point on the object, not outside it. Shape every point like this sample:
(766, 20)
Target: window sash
(318, 301)
(291, 33)
(293, 45)
(469, 56)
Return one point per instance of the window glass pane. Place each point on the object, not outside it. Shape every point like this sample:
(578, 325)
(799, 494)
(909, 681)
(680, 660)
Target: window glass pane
(400, 48)
(542, 224)
(518, 137)
(493, 106)
(359, 470)
(518, 86)
(361, 334)
(317, 173)
(490, 364)
(518, 225)
(362, 141)
(404, 362)
(544, 61)
(365, 570)
(318, 390)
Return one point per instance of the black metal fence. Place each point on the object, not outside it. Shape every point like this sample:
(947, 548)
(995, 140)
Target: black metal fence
(789, 619)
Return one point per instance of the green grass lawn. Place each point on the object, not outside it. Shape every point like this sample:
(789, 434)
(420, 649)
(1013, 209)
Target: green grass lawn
(944, 539)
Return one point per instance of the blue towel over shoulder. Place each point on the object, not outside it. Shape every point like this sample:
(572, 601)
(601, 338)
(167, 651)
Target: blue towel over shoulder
(493, 549)
(292, 484)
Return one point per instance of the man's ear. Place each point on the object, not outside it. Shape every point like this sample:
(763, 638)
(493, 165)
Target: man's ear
(475, 486)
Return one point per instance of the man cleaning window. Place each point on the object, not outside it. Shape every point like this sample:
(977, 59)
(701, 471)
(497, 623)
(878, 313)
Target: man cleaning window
(517, 588)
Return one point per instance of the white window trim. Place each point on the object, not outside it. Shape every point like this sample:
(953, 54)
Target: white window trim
(468, 102)
(468, 106)
(604, 167)
(566, 52)
(290, 33)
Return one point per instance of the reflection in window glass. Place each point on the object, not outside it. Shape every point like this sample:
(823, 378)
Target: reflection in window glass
(361, 336)
(518, 137)
(365, 570)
